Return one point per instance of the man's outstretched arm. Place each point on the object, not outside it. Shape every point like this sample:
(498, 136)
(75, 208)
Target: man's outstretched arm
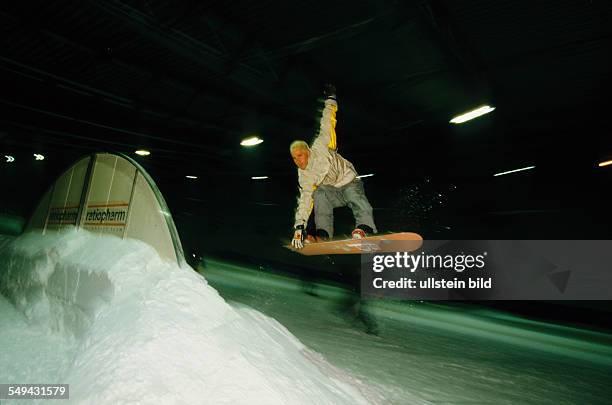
(304, 205)
(326, 139)
(302, 213)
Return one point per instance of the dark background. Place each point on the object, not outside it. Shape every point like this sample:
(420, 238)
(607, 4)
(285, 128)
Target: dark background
(188, 80)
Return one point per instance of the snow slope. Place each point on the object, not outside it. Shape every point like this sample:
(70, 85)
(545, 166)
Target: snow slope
(119, 325)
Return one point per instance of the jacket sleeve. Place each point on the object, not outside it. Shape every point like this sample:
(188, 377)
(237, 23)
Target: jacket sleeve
(326, 139)
(305, 202)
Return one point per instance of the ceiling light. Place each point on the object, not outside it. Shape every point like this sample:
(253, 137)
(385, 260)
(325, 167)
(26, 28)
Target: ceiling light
(365, 175)
(142, 152)
(259, 177)
(514, 171)
(472, 114)
(9, 159)
(38, 156)
(252, 141)
(606, 163)
(192, 177)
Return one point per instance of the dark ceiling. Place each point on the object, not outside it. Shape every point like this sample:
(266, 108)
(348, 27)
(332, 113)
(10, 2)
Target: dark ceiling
(188, 80)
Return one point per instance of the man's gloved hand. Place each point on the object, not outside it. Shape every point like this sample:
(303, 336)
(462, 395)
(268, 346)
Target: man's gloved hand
(329, 91)
(298, 237)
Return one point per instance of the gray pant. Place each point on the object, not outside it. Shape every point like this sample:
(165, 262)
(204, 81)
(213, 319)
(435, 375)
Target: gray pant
(326, 198)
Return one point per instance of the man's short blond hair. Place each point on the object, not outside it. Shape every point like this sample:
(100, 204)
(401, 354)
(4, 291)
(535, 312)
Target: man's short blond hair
(299, 144)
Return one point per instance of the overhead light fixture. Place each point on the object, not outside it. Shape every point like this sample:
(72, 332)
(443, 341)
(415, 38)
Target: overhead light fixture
(142, 152)
(514, 171)
(606, 163)
(192, 177)
(365, 175)
(259, 177)
(9, 159)
(38, 156)
(470, 115)
(252, 141)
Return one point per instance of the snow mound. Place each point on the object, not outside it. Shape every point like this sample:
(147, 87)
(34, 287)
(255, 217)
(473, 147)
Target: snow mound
(148, 331)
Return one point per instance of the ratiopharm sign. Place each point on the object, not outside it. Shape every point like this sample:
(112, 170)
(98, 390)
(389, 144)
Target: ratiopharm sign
(106, 218)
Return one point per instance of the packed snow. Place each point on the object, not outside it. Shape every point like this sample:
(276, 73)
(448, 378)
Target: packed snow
(119, 325)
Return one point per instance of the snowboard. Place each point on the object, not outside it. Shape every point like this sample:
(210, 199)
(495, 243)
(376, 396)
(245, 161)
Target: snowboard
(402, 241)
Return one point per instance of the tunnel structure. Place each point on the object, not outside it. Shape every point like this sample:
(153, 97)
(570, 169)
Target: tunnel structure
(109, 193)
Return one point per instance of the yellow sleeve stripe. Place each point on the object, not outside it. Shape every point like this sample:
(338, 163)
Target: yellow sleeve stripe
(314, 187)
(332, 135)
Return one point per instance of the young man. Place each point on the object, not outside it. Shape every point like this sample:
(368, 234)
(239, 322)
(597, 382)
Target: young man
(327, 180)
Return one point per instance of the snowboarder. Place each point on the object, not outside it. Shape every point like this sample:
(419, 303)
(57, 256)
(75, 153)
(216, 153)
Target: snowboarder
(327, 180)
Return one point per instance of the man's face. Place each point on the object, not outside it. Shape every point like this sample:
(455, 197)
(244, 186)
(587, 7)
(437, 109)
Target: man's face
(300, 157)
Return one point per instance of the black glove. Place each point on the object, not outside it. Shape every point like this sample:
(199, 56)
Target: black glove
(329, 91)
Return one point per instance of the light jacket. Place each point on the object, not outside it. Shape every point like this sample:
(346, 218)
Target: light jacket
(325, 165)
